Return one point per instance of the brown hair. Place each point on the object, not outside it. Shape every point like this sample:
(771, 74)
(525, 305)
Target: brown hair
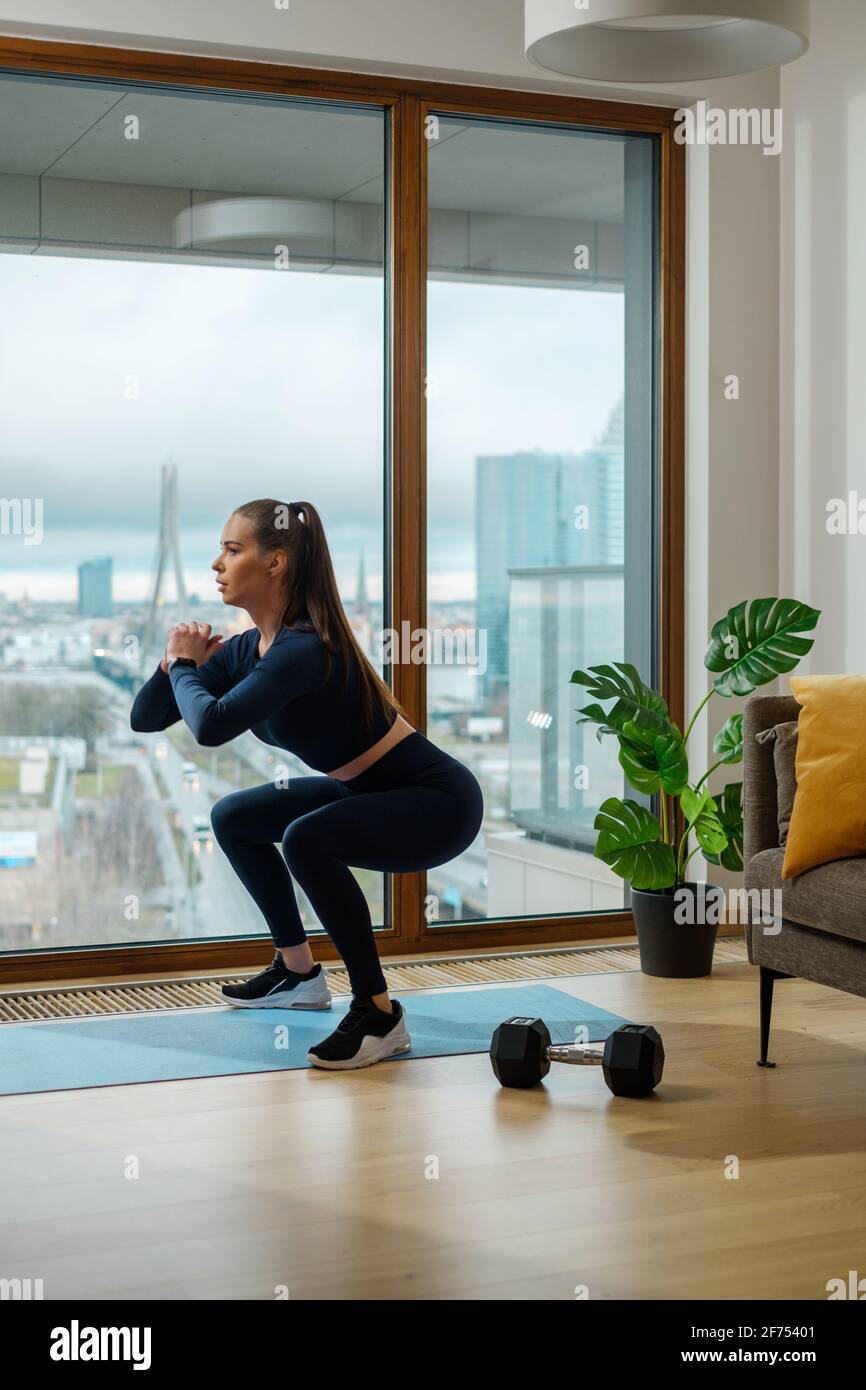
(311, 588)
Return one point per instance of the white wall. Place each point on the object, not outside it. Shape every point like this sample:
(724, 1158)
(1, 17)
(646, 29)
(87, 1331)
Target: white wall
(732, 450)
(733, 233)
(823, 365)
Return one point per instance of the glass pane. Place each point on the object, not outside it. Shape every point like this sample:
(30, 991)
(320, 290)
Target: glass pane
(541, 311)
(191, 316)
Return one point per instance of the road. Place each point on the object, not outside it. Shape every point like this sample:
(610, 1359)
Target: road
(219, 906)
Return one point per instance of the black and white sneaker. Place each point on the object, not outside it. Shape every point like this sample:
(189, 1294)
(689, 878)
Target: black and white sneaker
(366, 1035)
(281, 988)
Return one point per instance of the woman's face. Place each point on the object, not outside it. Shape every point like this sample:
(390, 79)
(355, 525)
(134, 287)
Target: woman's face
(245, 575)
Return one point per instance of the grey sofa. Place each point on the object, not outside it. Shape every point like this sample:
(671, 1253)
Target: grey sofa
(821, 934)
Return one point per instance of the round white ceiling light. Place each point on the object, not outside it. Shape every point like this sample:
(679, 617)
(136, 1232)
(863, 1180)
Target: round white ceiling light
(664, 40)
(304, 221)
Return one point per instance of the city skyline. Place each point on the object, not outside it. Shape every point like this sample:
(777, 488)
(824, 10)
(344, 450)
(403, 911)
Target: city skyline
(446, 582)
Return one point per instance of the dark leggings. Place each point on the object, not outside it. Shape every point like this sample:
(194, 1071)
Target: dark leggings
(413, 809)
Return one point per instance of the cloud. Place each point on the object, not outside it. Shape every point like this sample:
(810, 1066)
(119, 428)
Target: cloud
(259, 383)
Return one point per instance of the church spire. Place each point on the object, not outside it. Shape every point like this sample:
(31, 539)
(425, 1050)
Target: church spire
(361, 592)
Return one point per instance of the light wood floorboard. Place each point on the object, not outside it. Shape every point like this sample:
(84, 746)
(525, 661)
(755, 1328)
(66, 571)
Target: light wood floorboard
(423, 1179)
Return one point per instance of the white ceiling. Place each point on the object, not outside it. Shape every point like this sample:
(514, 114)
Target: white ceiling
(70, 131)
(529, 171)
(74, 132)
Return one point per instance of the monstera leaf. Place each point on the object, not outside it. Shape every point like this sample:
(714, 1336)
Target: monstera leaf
(730, 809)
(650, 764)
(629, 842)
(636, 703)
(651, 753)
(701, 812)
(728, 742)
(673, 763)
(754, 643)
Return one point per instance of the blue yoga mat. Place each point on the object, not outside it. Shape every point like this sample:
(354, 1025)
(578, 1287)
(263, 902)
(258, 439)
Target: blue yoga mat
(118, 1051)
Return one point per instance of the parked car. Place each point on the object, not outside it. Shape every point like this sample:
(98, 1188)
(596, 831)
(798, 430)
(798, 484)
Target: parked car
(202, 835)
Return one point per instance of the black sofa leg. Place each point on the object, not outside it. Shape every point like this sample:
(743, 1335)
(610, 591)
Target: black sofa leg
(768, 979)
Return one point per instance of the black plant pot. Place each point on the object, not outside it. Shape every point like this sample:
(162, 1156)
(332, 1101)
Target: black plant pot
(676, 929)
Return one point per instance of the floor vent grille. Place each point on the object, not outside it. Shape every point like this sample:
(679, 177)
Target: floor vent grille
(88, 1001)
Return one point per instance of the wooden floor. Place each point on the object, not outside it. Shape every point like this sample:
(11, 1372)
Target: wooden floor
(423, 1179)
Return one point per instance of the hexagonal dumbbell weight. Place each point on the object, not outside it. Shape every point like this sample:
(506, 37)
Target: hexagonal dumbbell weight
(632, 1061)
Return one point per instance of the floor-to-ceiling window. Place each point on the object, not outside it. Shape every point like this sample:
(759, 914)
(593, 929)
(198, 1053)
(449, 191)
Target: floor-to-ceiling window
(445, 328)
(541, 469)
(191, 316)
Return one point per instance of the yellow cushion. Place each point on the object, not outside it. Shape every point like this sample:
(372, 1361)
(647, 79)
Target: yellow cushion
(829, 816)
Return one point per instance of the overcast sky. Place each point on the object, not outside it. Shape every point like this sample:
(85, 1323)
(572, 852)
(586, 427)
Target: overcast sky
(261, 383)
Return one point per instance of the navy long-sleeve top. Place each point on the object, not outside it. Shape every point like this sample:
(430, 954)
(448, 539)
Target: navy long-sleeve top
(279, 696)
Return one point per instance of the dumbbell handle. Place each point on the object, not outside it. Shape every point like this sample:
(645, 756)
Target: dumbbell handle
(574, 1054)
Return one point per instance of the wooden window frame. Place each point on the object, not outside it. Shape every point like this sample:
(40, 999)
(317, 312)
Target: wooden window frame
(408, 102)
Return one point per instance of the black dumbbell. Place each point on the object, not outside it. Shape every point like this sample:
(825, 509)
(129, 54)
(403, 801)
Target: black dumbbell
(632, 1061)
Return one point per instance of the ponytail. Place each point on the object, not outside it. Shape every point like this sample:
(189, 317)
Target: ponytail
(310, 588)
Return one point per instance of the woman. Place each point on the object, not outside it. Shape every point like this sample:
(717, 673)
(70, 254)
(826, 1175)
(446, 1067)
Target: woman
(389, 799)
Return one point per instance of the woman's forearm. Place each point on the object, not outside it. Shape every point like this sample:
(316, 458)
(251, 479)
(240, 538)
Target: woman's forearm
(154, 707)
(206, 717)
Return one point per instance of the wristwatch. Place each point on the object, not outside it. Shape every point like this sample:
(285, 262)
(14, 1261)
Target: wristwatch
(180, 661)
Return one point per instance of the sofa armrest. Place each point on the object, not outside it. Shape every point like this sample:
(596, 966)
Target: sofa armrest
(760, 811)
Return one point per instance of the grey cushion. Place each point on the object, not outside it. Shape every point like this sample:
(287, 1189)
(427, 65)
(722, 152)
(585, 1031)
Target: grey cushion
(783, 738)
(760, 808)
(831, 898)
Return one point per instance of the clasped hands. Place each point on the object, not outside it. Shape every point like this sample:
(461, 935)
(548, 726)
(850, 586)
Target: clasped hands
(193, 640)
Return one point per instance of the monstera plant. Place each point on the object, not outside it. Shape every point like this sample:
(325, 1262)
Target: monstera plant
(752, 645)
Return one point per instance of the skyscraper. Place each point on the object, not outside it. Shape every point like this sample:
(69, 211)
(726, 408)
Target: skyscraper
(94, 588)
(536, 509)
